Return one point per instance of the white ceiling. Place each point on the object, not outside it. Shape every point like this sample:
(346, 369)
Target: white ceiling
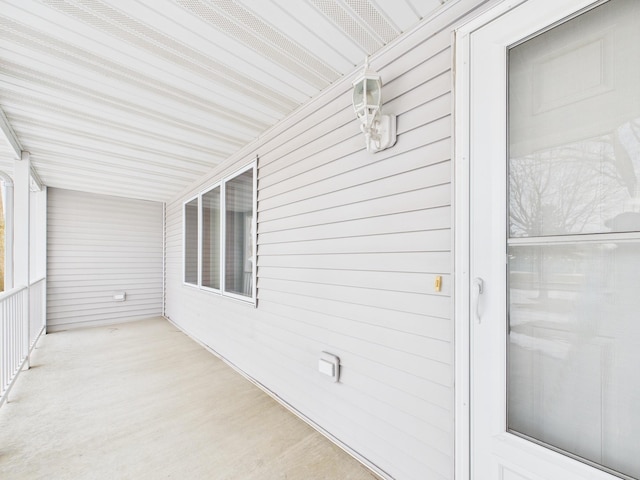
(139, 98)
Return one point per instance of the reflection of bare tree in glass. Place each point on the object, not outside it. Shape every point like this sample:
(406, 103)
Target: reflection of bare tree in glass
(563, 190)
(568, 190)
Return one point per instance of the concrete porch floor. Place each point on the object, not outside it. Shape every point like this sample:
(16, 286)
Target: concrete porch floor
(143, 401)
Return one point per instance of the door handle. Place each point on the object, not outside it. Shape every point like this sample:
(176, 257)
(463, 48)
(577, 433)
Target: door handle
(478, 289)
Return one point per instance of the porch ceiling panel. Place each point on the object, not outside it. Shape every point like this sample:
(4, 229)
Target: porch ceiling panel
(139, 98)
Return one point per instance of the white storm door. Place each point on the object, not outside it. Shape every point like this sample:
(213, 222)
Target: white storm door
(554, 224)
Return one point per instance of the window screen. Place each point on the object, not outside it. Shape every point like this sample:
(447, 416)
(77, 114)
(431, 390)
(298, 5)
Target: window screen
(239, 255)
(191, 242)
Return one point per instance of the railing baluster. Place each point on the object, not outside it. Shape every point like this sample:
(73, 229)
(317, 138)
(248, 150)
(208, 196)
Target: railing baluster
(22, 321)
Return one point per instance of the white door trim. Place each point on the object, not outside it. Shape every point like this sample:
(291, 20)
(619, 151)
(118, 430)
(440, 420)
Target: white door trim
(462, 217)
(461, 241)
(461, 247)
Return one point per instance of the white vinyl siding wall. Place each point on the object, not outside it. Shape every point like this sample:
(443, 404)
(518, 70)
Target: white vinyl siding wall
(99, 245)
(349, 247)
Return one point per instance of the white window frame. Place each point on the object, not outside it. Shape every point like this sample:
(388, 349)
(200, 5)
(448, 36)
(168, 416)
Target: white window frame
(254, 238)
(201, 238)
(254, 228)
(184, 242)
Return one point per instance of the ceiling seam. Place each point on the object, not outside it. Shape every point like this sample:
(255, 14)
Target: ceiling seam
(206, 67)
(30, 39)
(88, 119)
(289, 46)
(78, 134)
(227, 24)
(368, 13)
(81, 93)
(346, 21)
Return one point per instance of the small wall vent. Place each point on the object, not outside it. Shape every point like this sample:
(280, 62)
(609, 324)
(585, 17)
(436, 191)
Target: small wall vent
(329, 365)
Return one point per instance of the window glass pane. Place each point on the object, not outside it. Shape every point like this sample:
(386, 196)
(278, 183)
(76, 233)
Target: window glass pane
(211, 238)
(574, 125)
(191, 241)
(574, 161)
(574, 349)
(239, 255)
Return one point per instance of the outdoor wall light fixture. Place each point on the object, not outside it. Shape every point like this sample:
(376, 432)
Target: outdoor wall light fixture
(379, 130)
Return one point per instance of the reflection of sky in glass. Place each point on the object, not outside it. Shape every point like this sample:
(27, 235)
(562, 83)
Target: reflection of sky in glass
(580, 187)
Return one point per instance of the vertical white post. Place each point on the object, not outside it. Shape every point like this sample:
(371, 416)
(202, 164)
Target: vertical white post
(42, 251)
(21, 231)
(164, 259)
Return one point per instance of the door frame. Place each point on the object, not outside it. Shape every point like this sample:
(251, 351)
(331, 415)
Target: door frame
(462, 211)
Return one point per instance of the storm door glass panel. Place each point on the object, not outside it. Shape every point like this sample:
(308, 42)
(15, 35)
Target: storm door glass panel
(191, 242)
(211, 239)
(239, 255)
(574, 238)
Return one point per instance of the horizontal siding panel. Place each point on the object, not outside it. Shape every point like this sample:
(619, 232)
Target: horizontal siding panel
(435, 83)
(436, 240)
(338, 122)
(437, 306)
(431, 219)
(80, 236)
(436, 109)
(99, 245)
(422, 283)
(88, 295)
(93, 298)
(97, 236)
(81, 254)
(417, 396)
(315, 185)
(106, 249)
(79, 268)
(423, 74)
(420, 178)
(434, 93)
(418, 324)
(130, 282)
(350, 152)
(403, 68)
(119, 208)
(76, 266)
(417, 262)
(318, 325)
(432, 197)
(64, 221)
(107, 286)
(311, 160)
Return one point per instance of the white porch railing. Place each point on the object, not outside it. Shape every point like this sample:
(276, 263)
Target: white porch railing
(22, 321)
